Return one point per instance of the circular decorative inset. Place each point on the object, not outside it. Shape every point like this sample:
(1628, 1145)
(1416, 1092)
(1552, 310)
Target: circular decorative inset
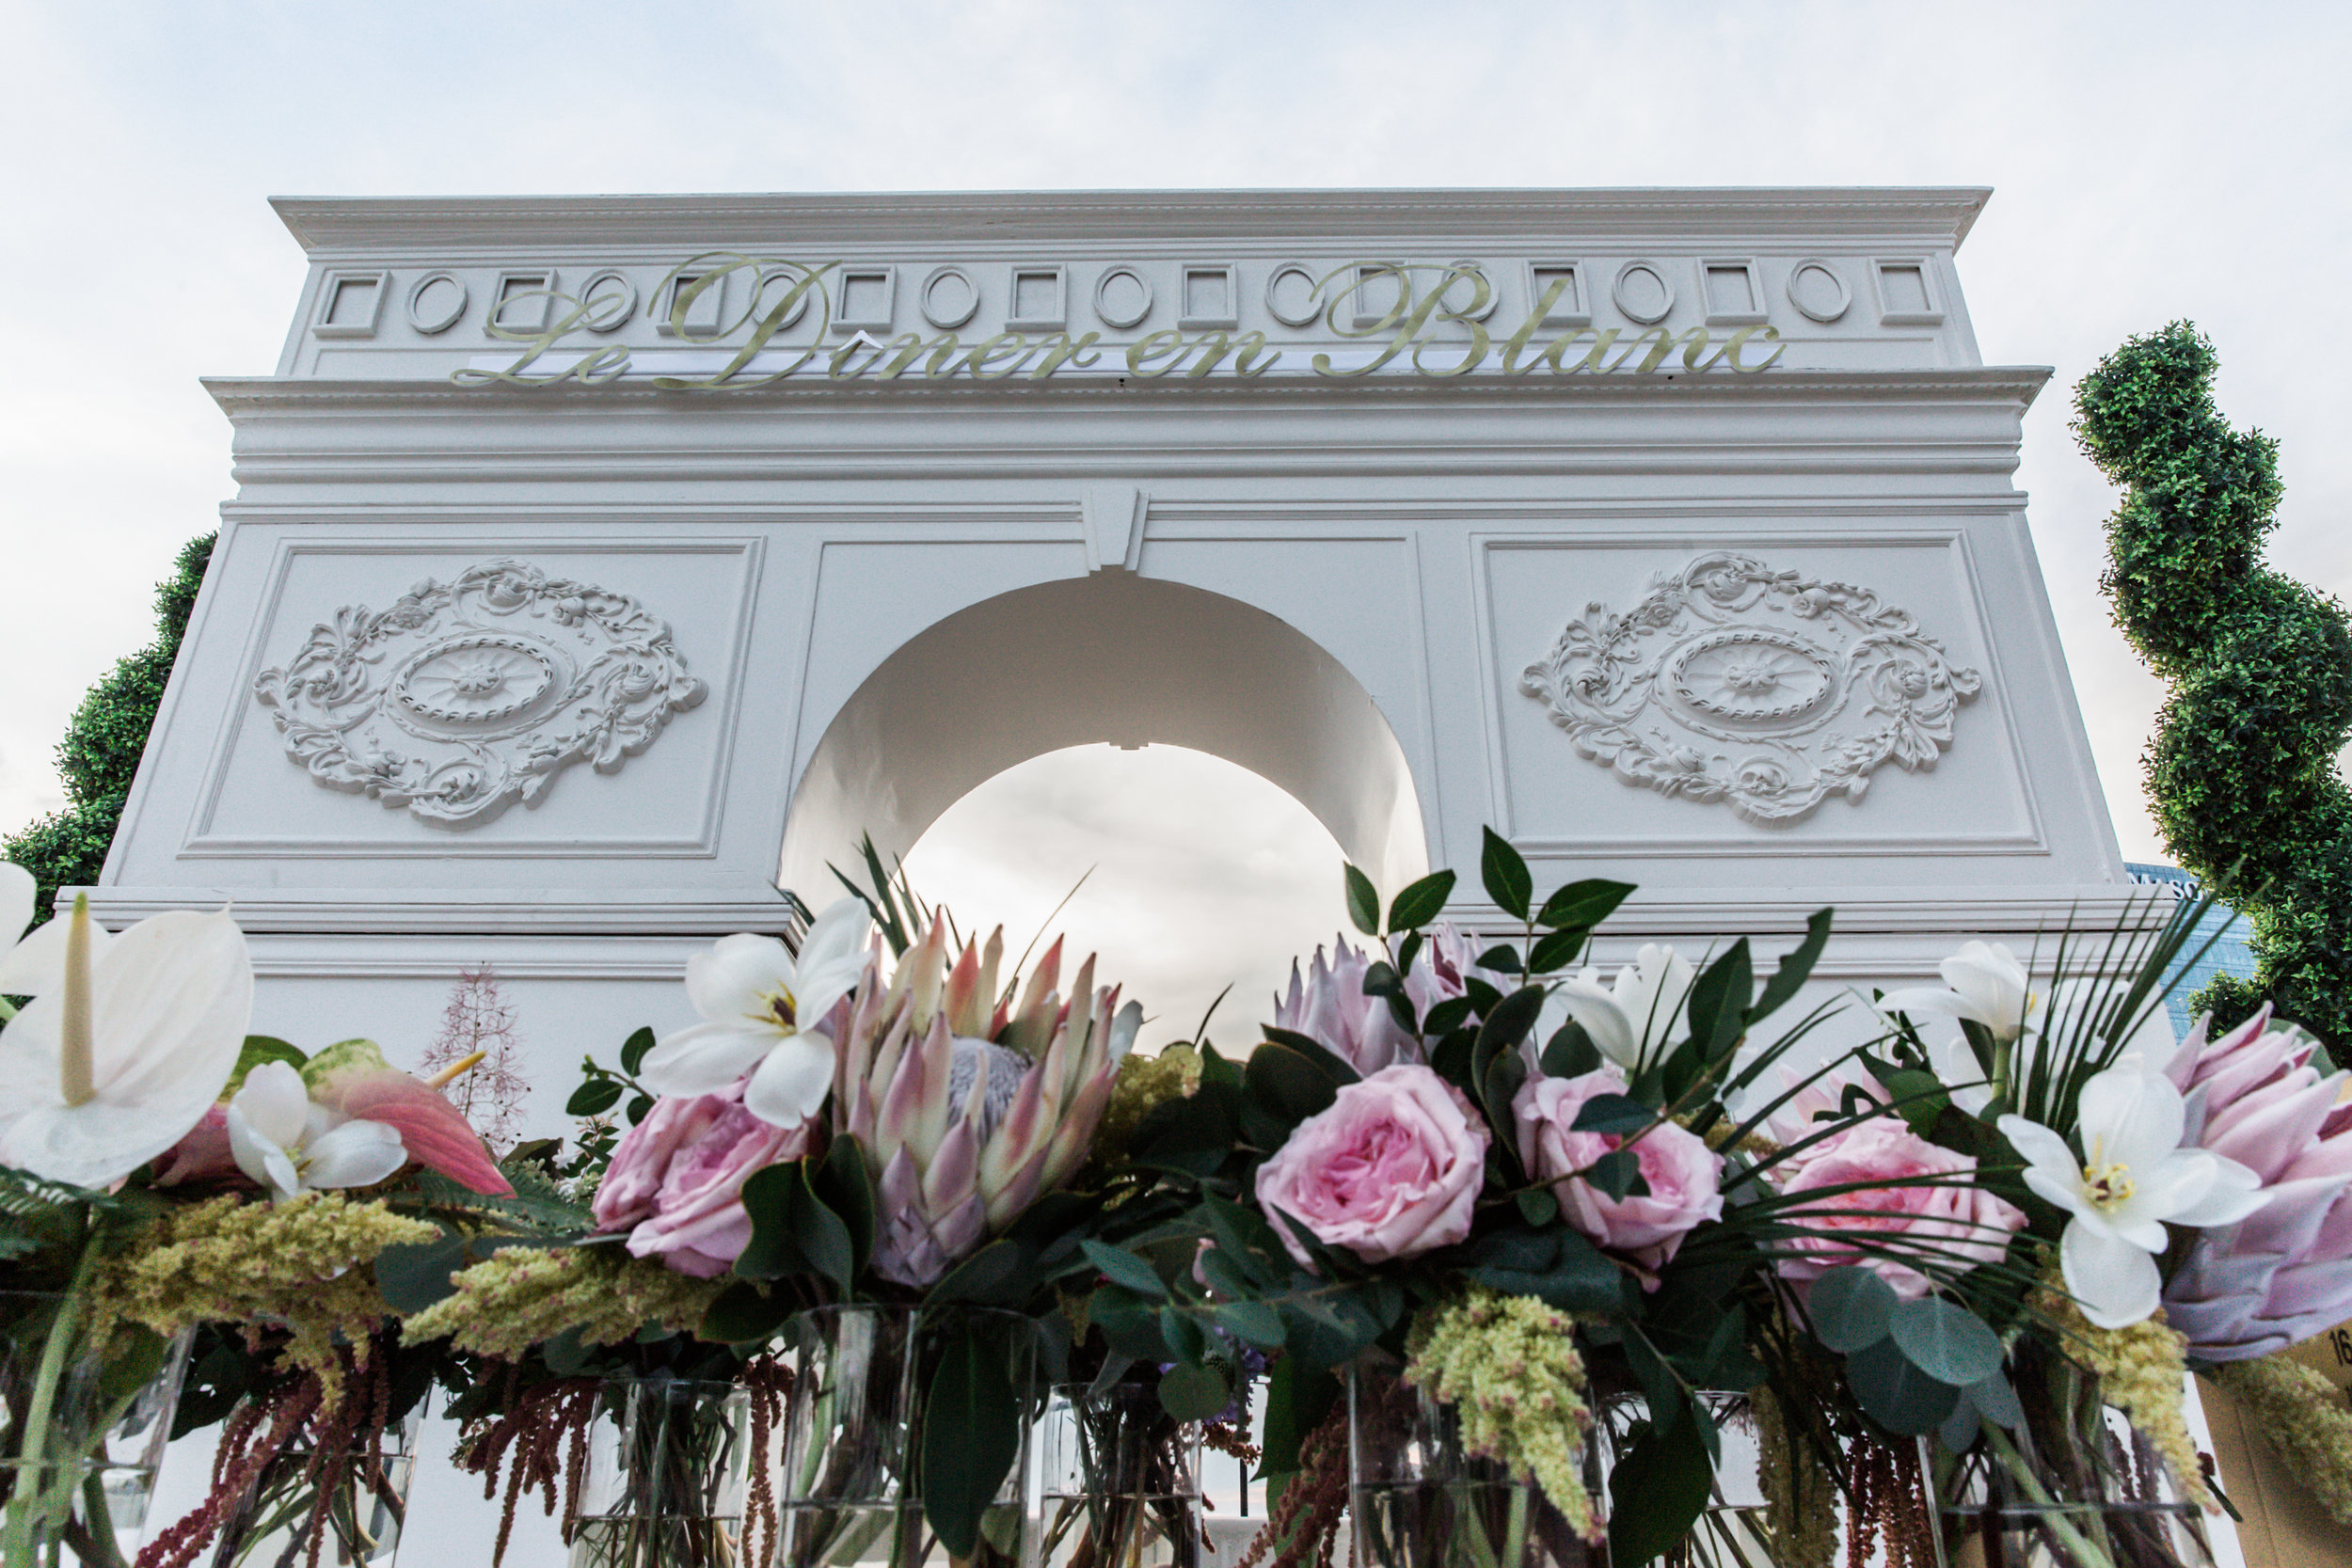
(1753, 676)
(1462, 288)
(1122, 297)
(611, 298)
(948, 298)
(1290, 295)
(1642, 292)
(474, 680)
(436, 302)
(776, 284)
(1818, 290)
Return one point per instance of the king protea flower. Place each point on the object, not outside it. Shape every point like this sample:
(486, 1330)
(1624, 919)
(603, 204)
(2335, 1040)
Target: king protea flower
(122, 1051)
(970, 1106)
(2283, 1274)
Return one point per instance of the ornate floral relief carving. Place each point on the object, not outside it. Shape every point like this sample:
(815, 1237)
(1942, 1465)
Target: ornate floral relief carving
(464, 697)
(1767, 690)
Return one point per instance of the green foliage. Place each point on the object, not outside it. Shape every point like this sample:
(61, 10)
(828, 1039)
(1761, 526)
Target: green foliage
(100, 754)
(2242, 771)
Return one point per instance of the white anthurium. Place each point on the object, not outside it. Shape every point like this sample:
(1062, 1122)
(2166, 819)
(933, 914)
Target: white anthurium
(1983, 983)
(115, 1063)
(2131, 1180)
(35, 963)
(290, 1144)
(1629, 1018)
(761, 1007)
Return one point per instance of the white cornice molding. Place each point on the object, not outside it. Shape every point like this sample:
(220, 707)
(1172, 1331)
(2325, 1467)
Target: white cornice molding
(241, 397)
(333, 225)
(2021, 909)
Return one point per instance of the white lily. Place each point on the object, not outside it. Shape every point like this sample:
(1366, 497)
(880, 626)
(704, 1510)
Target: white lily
(2131, 1180)
(34, 963)
(290, 1142)
(114, 1062)
(761, 1010)
(1983, 982)
(1642, 1009)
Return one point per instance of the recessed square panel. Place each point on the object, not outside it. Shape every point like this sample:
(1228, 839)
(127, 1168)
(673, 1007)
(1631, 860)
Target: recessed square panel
(350, 304)
(1039, 300)
(1735, 293)
(705, 298)
(869, 295)
(1211, 301)
(1906, 292)
(1568, 306)
(523, 302)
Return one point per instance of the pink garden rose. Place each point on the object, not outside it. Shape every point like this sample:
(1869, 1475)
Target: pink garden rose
(1389, 1170)
(676, 1179)
(1960, 1225)
(1682, 1172)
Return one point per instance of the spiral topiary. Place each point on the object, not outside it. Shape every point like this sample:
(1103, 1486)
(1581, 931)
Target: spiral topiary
(2242, 771)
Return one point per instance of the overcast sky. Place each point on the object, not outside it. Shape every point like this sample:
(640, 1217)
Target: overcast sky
(2149, 161)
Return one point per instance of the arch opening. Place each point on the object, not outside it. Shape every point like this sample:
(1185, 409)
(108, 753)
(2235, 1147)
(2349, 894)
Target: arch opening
(1114, 658)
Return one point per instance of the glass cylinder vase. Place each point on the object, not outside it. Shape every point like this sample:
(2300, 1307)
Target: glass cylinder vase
(1419, 1499)
(81, 1432)
(2073, 1485)
(849, 1483)
(1118, 1481)
(352, 1497)
(669, 1471)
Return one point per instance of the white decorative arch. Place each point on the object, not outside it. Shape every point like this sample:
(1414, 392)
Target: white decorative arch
(1114, 658)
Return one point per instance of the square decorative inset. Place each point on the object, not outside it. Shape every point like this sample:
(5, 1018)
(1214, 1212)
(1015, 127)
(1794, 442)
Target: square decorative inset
(1734, 291)
(1570, 307)
(1038, 300)
(705, 304)
(1906, 291)
(524, 301)
(351, 303)
(1210, 298)
(868, 296)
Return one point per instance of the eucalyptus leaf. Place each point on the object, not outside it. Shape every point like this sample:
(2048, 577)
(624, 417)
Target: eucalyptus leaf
(1898, 1395)
(1997, 1400)
(1124, 1269)
(1851, 1309)
(1193, 1393)
(1945, 1341)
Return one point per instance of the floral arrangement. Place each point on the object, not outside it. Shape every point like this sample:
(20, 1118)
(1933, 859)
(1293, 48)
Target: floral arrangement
(1471, 1196)
(162, 1170)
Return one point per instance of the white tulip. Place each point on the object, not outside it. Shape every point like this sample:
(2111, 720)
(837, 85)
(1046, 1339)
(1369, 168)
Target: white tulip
(117, 1060)
(1642, 1010)
(761, 1008)
(290, 1142)
(1986, 985)
(2132, 1178)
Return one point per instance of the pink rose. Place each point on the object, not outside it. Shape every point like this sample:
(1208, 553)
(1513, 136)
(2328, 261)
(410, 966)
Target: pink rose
(677, 1178)
(1682, 1172)
(1957, 1224)
(1389, 1170)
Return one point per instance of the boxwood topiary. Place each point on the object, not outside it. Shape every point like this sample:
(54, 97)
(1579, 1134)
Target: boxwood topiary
(100, 754)
(2242, 771)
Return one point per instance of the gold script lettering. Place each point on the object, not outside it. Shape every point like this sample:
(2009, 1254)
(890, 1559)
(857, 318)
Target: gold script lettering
(1005, 345)
(1063, 349)
(1166, 343)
